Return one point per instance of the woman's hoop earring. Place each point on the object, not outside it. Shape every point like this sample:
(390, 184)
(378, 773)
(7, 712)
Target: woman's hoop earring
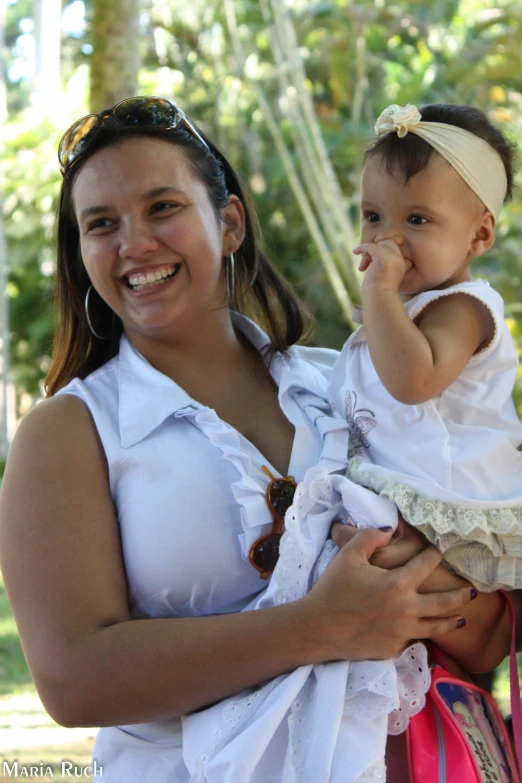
(230, 280)
(86, 305)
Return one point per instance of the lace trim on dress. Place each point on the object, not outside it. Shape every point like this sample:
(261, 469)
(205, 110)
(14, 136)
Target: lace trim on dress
(302, 541)
(420, 510)
(235, 713)
(374, 774)
(413, 682)
(320, 499)
(482, 544)
(373, 687)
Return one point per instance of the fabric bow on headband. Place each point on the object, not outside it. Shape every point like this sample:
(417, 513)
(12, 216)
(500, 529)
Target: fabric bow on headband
(398, 118)
(479, 165)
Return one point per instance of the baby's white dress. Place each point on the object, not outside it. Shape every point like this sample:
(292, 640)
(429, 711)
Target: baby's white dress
(451, 464)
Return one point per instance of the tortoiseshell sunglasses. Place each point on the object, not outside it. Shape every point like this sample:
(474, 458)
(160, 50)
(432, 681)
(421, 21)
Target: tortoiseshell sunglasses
(264, 553)
(145, 111)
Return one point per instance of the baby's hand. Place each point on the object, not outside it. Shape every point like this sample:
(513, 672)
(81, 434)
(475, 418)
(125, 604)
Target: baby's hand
(383, 263)
(405, 544)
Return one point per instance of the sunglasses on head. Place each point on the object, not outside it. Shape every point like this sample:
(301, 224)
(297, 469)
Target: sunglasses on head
(145, 112)
(264, 553)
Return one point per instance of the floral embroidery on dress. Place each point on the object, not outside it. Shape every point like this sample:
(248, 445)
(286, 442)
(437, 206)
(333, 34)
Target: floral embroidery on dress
(359, 426)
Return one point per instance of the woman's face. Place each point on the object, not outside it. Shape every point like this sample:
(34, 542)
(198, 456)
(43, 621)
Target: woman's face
(150, 239)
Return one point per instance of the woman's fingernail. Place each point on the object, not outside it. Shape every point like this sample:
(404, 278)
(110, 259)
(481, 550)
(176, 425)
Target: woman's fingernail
(461, 623)
(385, 529)
(473, 593)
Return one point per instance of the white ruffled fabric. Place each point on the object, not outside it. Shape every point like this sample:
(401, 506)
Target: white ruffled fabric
(319, 724)
(481, 544)
(250, 488)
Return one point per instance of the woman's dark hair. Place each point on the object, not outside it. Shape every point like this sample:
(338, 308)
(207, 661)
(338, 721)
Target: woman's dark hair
(262, 292)
(411, 154)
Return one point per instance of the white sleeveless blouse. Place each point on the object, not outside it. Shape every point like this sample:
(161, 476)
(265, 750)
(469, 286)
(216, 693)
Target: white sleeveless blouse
(190, 497)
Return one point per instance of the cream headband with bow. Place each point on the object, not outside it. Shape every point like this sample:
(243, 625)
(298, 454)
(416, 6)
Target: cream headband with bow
(479, 165)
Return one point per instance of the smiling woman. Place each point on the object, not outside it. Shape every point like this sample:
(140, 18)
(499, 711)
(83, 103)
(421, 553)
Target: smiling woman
(258, 290)
(128, 584)
(141, 214)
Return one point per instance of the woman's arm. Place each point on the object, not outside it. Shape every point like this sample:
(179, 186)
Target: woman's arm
(483, 642)
(92, 665)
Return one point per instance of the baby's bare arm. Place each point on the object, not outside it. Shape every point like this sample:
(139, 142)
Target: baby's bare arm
(416, 361)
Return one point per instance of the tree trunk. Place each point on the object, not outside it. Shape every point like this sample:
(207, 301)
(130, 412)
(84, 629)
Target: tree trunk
(115, 60)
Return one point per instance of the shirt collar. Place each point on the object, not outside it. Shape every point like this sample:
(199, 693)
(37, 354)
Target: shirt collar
(147, 397)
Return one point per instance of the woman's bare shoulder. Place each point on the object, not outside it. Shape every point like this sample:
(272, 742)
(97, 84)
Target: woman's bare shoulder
(59, 407)
(51, 441)
(63, 417)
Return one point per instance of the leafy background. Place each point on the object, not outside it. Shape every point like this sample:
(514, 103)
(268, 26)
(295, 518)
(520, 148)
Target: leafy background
(357, 58)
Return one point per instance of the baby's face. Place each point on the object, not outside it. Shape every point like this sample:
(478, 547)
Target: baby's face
(434, 218)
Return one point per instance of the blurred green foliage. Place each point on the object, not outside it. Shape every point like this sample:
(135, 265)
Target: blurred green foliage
(358, 57)
(30, 193)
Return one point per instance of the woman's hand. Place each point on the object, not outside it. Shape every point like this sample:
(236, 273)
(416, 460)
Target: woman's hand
(364, 611)
(481, 642)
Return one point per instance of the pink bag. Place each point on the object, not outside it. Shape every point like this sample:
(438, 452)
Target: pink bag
(460, 735)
